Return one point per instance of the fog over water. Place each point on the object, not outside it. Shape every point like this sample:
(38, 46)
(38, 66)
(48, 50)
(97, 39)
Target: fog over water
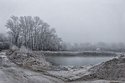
(76, 21)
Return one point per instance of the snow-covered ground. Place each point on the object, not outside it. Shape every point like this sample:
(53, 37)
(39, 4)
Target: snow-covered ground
(14, 74)
(11, 73)
(71, 73)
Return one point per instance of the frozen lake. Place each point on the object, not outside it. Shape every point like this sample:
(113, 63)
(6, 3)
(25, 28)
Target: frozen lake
(77, 60)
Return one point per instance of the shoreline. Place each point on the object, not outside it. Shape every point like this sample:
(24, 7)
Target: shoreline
(80, 53)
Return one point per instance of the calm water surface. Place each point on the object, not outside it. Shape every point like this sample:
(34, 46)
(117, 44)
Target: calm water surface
(77, 61)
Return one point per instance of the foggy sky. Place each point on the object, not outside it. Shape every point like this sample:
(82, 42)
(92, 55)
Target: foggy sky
(76, 21)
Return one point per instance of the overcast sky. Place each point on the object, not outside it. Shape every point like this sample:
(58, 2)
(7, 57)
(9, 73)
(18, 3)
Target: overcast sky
(75, 21)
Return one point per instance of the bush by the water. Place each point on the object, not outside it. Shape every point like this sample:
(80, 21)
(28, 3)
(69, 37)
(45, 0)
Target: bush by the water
(4, 46)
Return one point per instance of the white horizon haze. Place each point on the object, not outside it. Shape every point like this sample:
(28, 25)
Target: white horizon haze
(75, 21)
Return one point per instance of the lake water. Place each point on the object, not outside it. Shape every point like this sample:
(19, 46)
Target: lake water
(77, 61)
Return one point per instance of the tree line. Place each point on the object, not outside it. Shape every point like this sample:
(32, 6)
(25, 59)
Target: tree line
(99, 46)
(33, 33)
(36, 34)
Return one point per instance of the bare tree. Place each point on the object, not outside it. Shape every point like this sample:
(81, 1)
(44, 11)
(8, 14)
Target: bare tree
(15, 30)
(33, 33)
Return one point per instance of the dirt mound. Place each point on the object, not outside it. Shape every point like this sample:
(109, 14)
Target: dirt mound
(111, 70)
(29, 59)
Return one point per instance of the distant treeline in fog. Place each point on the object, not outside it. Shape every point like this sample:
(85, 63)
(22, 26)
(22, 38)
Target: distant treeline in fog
(100, 46)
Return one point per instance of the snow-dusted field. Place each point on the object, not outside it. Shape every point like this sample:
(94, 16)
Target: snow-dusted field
(70, 73)
(11, 73)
